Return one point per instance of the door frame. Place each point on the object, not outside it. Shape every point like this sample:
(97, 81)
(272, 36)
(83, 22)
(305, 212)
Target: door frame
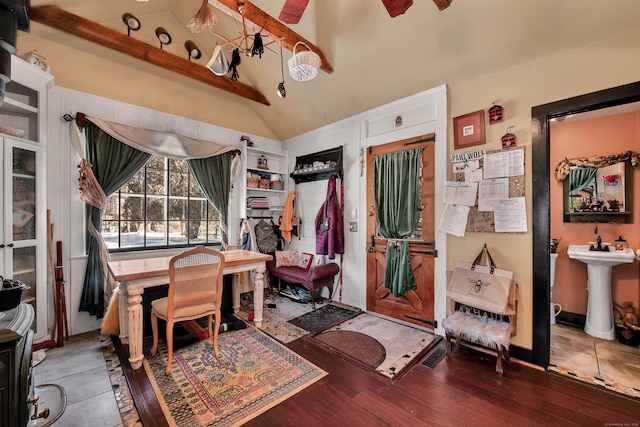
(541, 170)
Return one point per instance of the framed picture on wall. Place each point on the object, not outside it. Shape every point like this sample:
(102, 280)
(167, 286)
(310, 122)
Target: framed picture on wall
(468, 130)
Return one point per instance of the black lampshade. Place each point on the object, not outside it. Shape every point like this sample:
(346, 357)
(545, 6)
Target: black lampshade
(19, 8)
(8, 30)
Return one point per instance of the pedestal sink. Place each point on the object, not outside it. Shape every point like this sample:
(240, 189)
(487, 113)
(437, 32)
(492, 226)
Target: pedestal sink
(600, 306)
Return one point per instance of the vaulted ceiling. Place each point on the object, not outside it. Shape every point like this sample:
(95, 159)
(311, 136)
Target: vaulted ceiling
(376, 59)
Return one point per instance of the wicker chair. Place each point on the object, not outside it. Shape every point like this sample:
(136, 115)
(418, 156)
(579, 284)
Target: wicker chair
(195, 290)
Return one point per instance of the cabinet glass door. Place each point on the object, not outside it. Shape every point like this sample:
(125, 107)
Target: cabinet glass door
(22, 238)
(24, 194)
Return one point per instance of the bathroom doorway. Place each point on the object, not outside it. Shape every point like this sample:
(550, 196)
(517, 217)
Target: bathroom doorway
(542, 117)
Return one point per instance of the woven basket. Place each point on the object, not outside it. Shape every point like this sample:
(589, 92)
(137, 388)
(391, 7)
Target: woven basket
(304, 66)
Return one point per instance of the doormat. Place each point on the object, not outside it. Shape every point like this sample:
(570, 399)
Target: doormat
(252, 374)
(404, 345)
(278, 311)
(360, 347)
(323, 318)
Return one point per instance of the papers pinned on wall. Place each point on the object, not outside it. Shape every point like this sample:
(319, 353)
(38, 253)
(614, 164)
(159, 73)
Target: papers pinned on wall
(499, 182)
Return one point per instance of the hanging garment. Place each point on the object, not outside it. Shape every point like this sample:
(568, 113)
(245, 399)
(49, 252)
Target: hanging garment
(287, 214)
(329, 224)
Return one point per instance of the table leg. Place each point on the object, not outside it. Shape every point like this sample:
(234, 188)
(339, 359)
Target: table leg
(134, 312)
(235, 294)
(258, 295)
(122, 313)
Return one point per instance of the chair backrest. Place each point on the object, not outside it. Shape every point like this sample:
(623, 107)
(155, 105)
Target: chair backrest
(195, 277)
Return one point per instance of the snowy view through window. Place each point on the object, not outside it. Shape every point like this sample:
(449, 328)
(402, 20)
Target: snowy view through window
(162, 205)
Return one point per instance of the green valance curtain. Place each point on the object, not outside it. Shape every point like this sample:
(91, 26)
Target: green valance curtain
(214, 178)
(397, 198)
(113, 164)
(580, 178)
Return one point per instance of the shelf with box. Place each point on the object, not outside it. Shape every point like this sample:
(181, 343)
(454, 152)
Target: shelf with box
(318, 166)
(264, 186)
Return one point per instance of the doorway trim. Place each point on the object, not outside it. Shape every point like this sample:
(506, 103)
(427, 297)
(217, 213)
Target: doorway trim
(541, 170)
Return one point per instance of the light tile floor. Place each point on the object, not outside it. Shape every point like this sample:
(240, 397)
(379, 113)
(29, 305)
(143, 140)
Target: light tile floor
(603, 362)
(80, 368)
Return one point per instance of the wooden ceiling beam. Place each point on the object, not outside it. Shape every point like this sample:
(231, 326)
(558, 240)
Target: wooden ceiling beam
(59, 19)
(276, 29)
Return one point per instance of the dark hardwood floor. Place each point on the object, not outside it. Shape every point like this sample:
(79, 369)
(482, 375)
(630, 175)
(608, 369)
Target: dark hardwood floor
(464, 390)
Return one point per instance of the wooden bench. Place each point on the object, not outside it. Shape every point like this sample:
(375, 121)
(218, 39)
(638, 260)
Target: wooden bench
(480, 328)
(315, 278)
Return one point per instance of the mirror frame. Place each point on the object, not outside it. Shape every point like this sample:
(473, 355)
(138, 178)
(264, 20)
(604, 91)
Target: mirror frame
(541, 228)
(602, 217)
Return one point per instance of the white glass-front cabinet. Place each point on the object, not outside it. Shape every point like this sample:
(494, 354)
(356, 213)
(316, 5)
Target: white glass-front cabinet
(265, 182)
(23, 232)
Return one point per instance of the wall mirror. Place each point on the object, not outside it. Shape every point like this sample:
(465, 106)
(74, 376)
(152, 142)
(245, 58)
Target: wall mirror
(598, 194)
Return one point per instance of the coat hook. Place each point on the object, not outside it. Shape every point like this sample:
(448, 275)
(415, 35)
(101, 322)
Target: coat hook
(398, 121)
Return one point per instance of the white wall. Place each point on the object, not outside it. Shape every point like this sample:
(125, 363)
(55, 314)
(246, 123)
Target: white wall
(423, 113)
(67, 211)
(354, 134)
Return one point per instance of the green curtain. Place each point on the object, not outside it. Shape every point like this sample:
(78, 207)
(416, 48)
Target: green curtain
(113, 164)
(214, 178)
(580, 178)
(397, 198)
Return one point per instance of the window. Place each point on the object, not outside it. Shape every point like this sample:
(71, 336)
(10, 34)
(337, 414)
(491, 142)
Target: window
(161, 206)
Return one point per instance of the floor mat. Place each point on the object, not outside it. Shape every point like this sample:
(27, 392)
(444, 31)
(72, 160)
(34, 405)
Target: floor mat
(323, 318)
(404, 345)
(279, 310)
(360, 347)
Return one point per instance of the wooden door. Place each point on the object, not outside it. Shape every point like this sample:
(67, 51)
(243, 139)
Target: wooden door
(418, 304)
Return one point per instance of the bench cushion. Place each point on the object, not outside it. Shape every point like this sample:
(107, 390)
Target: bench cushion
(481, 330)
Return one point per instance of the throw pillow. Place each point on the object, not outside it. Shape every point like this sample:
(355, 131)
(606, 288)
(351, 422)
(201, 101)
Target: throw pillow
(287, 258)
(305, 260)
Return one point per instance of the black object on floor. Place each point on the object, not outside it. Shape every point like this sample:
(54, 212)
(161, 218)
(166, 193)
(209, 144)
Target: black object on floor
(323, 318)
(183, 338)
(296, 292)
(435, 357)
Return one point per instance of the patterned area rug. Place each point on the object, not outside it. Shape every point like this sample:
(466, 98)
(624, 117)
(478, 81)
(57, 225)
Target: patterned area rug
(252, 374)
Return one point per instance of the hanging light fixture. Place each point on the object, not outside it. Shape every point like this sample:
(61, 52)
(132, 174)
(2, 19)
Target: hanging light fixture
(192, 50)
(164, 36)
(131, 22)
(281, 91)
(218, 63)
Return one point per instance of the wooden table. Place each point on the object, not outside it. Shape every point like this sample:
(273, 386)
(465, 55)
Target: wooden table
(137, 274)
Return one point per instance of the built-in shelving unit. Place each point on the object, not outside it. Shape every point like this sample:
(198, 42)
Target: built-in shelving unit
(23, 234)
(265, 181)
